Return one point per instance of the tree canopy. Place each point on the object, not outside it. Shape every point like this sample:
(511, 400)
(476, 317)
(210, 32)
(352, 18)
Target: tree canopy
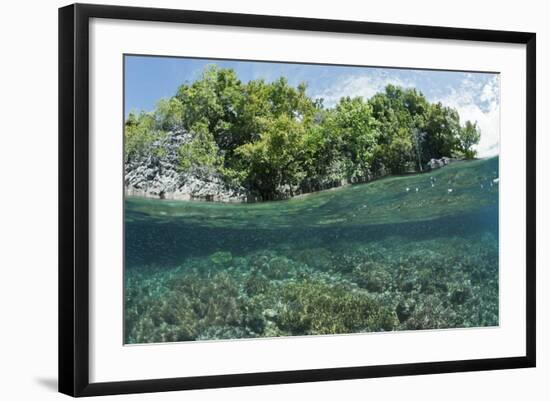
(271, 137)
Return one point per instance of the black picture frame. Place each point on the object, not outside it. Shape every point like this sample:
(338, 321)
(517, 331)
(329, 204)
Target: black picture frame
(74, 201)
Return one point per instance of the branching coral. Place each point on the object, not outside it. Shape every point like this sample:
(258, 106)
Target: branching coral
(315, 308)
(386, 285)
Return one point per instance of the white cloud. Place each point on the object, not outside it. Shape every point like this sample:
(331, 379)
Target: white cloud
(479, 102)
(358, 85)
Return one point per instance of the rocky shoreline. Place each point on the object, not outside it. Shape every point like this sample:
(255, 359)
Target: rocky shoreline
(157, 176)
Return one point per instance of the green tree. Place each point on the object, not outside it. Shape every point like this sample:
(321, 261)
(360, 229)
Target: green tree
(169, 114)
(201, 154)
(253, 112)
(213, 99)
(267, 101)
(276, 158)
(442, 130)
(140, 133)
(353, 133)
(397, 154)
(468, 136)
(401, 114)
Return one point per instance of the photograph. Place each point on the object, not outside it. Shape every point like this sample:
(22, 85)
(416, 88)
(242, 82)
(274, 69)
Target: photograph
(273, 199)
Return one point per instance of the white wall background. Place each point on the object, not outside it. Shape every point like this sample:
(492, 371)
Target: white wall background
(28, 200)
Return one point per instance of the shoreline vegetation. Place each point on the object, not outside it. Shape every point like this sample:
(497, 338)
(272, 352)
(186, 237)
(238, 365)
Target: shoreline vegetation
(220, 139)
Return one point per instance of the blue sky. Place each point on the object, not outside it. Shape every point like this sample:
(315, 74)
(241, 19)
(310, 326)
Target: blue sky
(474, 95)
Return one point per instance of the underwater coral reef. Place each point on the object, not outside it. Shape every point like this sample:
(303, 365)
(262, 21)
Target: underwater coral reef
(432, 284)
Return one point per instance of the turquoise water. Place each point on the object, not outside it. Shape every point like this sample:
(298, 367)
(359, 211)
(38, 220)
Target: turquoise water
(400, 253)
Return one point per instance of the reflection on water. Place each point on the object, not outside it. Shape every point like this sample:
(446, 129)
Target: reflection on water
(408, 252)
